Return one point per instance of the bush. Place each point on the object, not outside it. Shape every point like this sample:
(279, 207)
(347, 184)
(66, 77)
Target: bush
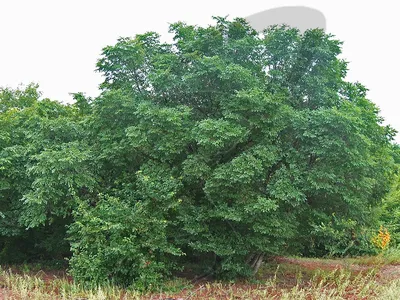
(120, 242)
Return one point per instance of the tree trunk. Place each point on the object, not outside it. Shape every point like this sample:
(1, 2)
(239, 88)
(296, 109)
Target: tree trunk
(250, 257)
(255, 260)
(258, 264)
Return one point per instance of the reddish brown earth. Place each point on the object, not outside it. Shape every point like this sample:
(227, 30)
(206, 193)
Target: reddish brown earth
(204, 290)
(288, 280)
(385, 272)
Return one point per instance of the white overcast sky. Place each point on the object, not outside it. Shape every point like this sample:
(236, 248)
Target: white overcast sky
(56, 43)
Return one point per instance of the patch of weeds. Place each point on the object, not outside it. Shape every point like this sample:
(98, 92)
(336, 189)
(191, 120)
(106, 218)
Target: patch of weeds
(390, 256)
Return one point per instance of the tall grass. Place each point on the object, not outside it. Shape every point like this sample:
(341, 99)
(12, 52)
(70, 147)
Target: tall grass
(322, 284)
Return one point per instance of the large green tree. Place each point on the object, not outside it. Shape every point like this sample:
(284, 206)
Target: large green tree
(225, 146)
(221, 148)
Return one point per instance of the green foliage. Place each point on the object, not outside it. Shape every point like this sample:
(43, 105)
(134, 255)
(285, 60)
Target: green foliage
(120, 242)
(341, 237)
(35, 175)
(220, 148)
(390, 214)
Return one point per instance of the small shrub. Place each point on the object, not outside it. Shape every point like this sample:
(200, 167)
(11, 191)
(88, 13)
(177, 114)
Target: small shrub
(382, 239)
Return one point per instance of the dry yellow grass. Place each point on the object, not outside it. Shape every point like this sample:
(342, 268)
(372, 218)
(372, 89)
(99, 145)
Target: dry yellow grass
(287, 278)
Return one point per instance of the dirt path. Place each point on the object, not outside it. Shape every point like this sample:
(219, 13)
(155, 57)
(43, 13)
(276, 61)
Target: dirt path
(324, 264)
(385, 272)
(390, 272)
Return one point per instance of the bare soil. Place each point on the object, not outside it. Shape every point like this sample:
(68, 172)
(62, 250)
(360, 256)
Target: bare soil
(286, 277)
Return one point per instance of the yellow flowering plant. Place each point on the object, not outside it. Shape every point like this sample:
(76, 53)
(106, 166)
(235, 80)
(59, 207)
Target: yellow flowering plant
(382, 239)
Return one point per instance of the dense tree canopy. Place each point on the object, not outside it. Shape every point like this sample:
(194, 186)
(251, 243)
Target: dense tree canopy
(223, 147)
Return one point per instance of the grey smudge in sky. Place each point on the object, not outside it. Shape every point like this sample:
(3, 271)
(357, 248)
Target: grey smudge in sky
(295, 16)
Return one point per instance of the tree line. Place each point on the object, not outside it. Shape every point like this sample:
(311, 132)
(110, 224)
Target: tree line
(217, 150)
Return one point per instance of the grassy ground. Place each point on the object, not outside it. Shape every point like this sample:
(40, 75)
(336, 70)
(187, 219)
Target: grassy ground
(281, 278)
